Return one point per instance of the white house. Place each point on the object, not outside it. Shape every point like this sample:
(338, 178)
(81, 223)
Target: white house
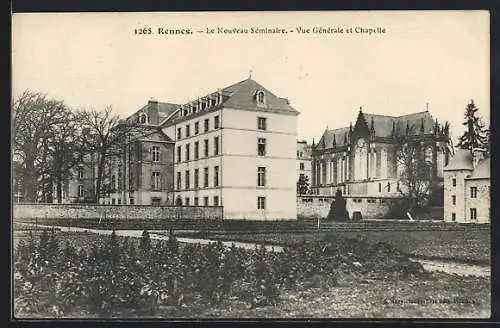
(236, 148)
(467, 187)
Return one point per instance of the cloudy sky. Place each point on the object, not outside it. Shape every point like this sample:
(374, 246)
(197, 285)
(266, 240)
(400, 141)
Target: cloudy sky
(96, 59)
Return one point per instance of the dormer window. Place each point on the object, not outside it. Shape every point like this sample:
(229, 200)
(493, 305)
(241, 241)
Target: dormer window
(143, 118)
(261, 98)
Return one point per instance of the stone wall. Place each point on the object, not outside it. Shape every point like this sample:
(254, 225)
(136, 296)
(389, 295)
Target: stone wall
(311, 206)
(86, 211)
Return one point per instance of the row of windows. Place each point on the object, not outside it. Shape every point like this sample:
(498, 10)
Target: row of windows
(388, 187)
(355, 200)
(187, 178)
(203, 104)
(261, 202)
(196, 201)
(196, 150)
(206, 128)
(261, 125)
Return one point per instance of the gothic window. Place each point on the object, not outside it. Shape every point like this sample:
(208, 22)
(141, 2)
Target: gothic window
(143, 118)
(428, 154)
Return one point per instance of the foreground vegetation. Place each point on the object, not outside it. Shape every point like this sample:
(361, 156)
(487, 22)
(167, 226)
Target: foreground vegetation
(62, 274)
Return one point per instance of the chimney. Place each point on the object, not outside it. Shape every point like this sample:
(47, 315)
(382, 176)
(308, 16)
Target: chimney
(477, 155)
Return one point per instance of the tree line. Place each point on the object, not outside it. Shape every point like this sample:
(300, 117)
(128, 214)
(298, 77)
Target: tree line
(50, 140)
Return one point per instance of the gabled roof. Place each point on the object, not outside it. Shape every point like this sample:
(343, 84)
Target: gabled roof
(242, 96)
(482, 170)
(339, 135)
(383, 124)
(461, 161)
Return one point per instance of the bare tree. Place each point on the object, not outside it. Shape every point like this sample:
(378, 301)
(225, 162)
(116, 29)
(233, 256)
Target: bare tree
(33, 116)
(415, 174)
(67, 149)
(106, 136)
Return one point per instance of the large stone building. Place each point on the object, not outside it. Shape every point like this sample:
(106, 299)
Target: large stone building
(140, 170)
(467, 187)
(304, 160)
(361, 160)
(236, 148)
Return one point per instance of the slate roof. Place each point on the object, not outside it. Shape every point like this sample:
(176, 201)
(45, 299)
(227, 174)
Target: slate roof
(383, 126)
(329, 135)
(242, 96)
(461, 161)
(482, 170)
(164, 111)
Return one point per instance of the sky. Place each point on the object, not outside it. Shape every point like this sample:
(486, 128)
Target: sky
(91, 60)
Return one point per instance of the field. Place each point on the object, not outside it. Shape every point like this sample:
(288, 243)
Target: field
(465, 246)
(367, 282)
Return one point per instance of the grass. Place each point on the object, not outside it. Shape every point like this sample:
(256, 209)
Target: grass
(434, 295)
(465, 246)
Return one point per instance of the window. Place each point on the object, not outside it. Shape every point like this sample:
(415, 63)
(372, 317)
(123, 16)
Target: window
(131, 181)
(454, 182)
(179, 181)
(205, 147)
(216, 200)
(188, 130)
(301, 166)
(216, 146)
(216, 176)
(454, 200)
(196, 128)
(205, 201)
(178, 154)
(379, 187)
(388, 187)
(261, 176)
(206, 126)
(187, 152)
(186, 201)
(113, 182)
(143, 118)
(186, 181)
(397, 186)
(473, 192)
(196, 150)
(261, 203)
(119, 201)
(113, 201)
(196, 178)
(216, 122)
(156, 153)
(262, 123)
(155, 201)
(178, 133)
(205, 177)
(453, 217)
(155, 180)
(261, 147)
(80, 190)
(80, 173)
(473, 214)
(196, 201)
(260, 97)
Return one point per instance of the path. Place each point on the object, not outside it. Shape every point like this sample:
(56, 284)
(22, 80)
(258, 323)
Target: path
(429, 265)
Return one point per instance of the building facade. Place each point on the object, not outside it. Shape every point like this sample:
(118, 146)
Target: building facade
(139, 170)
(361, 160)
(304, 160)
(236, 148)
(467, 187)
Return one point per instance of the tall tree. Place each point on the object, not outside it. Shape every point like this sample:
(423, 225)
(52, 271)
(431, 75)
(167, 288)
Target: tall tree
(33, 116)
(106, 135)
(415, 174)
(476, 135)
